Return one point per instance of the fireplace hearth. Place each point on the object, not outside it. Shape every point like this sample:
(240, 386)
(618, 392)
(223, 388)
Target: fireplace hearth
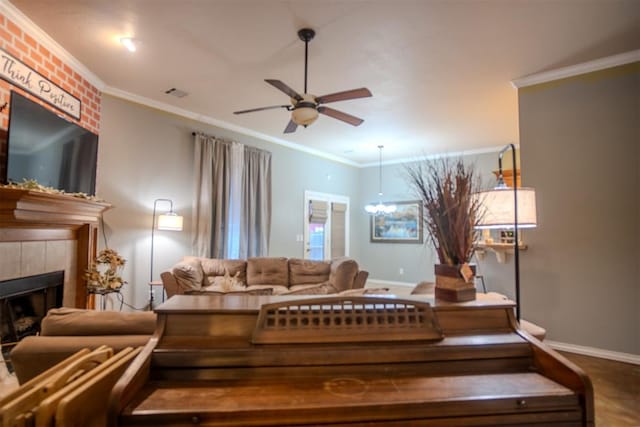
(25, 301)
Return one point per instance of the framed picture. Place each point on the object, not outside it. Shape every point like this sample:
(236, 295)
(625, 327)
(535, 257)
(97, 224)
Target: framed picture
(402, 226)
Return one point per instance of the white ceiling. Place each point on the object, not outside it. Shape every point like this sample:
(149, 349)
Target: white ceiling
(439, 71)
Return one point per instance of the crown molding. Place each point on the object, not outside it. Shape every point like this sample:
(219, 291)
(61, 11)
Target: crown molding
(28, 26)
(221, 124)
(485, 150)
(575, 70)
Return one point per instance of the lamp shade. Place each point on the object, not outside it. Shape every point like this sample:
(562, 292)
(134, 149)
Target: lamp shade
(170, 221)
(304, 116)
(498, 208)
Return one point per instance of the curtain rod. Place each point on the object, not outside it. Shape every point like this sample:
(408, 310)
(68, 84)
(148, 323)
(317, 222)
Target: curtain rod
(228, 141)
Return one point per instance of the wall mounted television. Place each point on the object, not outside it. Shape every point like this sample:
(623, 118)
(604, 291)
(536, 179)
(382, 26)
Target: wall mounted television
(49, 149)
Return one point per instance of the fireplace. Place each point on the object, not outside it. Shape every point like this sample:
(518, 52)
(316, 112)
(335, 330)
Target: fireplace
(42, 232)
(25, 301)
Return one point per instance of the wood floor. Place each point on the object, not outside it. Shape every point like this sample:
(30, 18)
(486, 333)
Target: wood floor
(616, 387)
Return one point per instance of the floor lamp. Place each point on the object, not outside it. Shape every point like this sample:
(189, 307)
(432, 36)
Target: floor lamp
(167, 221)
(510, 208)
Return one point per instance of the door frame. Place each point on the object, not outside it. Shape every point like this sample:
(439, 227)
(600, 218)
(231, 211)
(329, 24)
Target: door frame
(329, 198)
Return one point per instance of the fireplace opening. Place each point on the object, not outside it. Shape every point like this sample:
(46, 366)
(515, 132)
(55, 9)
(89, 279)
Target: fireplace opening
(23, 304)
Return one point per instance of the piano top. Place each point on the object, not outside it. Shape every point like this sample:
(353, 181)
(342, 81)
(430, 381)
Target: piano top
(252, 303)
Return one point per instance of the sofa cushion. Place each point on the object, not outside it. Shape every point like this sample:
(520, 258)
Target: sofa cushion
(79, 322)
(212, 268)
(35, 354)
(275, 289)
(322, 289)
(306, 272)
(189, 274)
(267, 272)
(245, 291)
(365, 291)
(343, 272)
(225, 283)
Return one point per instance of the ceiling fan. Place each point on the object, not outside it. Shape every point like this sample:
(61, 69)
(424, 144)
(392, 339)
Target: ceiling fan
(305, 107)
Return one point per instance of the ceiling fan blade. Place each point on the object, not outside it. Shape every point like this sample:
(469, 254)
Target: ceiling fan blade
(348, 118)
(363, 92)
(284, 88)
(291, 127)
(261, 108)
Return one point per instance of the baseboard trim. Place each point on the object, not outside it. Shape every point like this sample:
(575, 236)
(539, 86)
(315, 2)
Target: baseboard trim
(595, 352)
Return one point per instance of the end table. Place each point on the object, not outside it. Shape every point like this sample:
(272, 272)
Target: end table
(151, 285)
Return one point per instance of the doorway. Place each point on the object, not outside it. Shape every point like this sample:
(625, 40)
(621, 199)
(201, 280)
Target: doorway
(326, 226)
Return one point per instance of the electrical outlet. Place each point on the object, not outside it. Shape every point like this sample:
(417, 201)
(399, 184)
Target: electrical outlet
(401, 271)
(299, 238)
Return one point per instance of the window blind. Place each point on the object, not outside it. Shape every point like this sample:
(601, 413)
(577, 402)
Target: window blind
(318, 212)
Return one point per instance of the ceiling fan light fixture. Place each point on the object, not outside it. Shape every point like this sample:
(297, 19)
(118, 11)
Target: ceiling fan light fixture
(304, 116)
(306, 107)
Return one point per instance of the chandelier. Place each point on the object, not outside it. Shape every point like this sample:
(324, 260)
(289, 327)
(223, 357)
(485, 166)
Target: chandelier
(380, 208)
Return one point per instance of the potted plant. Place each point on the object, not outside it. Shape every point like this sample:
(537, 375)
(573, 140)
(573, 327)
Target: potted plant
(104, 274)
(445, 188)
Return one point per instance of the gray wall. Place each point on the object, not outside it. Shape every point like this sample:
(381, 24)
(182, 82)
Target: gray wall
(580, 141)
(145, 154)
(384, 260)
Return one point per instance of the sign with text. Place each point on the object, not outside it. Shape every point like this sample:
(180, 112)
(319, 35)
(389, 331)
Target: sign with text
(19, 74)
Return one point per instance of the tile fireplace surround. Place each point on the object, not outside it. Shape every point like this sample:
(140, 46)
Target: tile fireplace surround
(41, 232)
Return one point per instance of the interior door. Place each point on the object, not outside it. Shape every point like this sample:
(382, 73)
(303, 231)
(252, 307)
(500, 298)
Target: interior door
(326, 226)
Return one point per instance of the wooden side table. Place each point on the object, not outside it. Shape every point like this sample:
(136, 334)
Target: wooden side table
(151, 285)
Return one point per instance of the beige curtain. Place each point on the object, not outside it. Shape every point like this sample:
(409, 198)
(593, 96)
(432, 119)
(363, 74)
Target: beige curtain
(211, 199)
(255, 221)
(232, 202)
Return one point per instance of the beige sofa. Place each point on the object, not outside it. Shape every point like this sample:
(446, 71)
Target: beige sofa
(263, 276)
(64, 331)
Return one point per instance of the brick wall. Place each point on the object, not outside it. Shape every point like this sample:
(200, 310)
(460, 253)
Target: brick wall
(26, 48)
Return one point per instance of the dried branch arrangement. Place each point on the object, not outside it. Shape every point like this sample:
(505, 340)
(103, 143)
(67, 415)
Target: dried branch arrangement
(446, 189)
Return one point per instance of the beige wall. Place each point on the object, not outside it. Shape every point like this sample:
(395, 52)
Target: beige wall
(145, 154)
(579, 140)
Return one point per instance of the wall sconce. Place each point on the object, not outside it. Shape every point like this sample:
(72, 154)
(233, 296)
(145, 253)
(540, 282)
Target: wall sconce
(169, 221)
(509, 208)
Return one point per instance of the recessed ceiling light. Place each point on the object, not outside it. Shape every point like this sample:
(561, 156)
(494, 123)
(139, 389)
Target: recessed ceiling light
(129, 43)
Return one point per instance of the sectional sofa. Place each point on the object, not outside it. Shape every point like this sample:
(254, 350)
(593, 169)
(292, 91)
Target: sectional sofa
(263, 276)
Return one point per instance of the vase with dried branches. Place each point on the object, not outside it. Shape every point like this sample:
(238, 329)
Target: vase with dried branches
(445, 188)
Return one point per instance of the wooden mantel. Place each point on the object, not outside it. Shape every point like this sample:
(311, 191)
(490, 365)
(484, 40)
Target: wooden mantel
(27, 215)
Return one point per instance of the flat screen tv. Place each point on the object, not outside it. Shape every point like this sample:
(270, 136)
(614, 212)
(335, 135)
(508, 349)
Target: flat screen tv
(46, 147)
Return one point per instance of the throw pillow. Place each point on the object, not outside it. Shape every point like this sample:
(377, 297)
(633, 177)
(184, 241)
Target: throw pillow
(323, 289)
(189, 275)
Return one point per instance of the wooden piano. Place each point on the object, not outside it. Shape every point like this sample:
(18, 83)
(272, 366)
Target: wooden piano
(347, 361)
